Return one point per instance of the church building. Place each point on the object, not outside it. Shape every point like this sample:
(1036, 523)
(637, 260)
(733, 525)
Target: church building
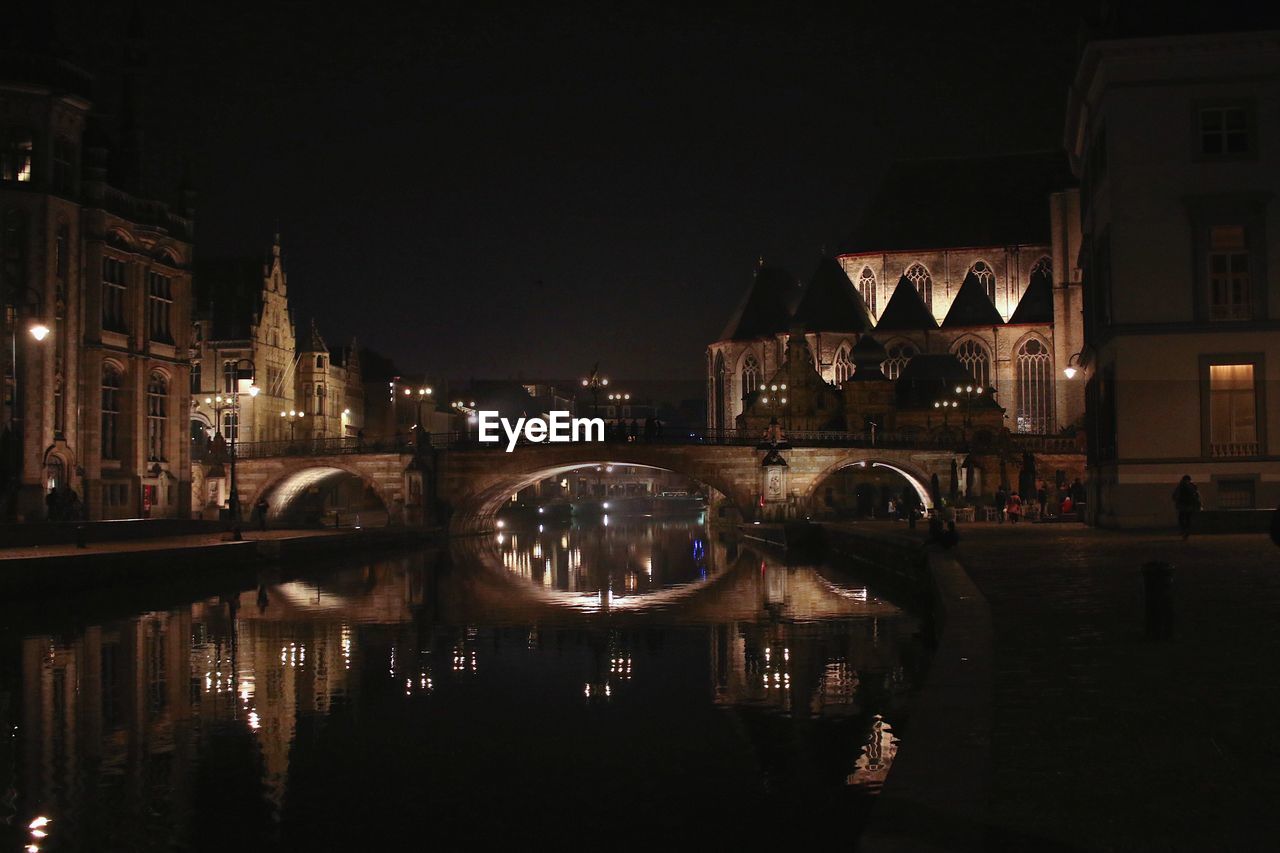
(963, 273)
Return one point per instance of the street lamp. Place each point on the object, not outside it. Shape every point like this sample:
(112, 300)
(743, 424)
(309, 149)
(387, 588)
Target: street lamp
(293, 416)
(1073, 366)
(968, 392)
(468, 411)
(251, 388)
(595, 382)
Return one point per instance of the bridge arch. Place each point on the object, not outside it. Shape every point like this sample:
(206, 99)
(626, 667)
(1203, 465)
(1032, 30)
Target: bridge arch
(286, 486)
(478, 483)
(912, 473)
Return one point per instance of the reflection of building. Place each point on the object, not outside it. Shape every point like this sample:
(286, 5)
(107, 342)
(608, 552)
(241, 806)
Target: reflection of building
(973, 260)
(1175, 141)
(98, 405)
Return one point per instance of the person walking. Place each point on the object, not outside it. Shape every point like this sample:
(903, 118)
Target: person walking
(1186, 500)
(260, 512)
(1014, 508)
(1001, 501)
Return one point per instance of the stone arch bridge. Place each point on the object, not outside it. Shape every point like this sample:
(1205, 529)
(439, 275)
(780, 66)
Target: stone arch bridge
(475, 481)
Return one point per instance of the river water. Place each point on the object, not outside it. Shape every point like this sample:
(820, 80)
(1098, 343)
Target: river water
(622, 683)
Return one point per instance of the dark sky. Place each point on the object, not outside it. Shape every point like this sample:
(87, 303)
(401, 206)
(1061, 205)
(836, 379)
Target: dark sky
(497, 191)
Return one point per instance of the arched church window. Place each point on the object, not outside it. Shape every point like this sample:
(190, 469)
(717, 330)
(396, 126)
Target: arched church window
(1043, 269)
(867, 287)
(975, 358)
(750, 377)
(986, 277)
(842, 366)
(1034, 374)
(919, 276)
(898, 356)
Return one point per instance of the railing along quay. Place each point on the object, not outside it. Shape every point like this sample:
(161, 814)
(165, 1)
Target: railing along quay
(907, 440)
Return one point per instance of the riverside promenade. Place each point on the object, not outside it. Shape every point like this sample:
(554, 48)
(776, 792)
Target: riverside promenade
(1104, 740)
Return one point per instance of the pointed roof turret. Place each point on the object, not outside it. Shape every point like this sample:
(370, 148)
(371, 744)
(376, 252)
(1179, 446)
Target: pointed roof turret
(906, 310)
(831, 303)
(972, 307)
(766, 309)
(1036, 304)
(315, 341)
(867, 356)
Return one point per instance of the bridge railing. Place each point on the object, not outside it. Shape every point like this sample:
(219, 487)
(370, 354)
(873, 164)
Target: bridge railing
(953, 440)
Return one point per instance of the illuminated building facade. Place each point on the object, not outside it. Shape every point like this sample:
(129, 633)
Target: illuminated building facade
(973, 259)
(1174, 139)
(97, 405)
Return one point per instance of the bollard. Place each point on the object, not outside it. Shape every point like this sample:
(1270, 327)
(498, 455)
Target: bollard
(1157, 578)
(81, 536)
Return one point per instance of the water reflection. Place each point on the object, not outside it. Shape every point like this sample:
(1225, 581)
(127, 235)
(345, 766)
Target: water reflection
(566, 678)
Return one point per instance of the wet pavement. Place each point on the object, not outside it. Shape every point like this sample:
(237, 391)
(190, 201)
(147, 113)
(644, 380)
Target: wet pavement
(1105, 740)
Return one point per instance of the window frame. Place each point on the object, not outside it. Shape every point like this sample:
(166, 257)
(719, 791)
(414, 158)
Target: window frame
(1201, 106)
(1258, 360)
(1204, 213)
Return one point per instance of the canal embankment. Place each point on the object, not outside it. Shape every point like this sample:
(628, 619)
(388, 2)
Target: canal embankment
(103, 562)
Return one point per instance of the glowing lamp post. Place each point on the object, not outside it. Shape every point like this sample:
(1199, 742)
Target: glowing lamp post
(595, 382)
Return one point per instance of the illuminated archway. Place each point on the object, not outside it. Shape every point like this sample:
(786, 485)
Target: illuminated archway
(915, 477)
(301, 494)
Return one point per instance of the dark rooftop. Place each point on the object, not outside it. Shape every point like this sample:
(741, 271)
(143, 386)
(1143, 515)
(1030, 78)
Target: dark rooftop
(766, 309)
(906, 310)
(831, 302)
(972, 307)
(951, 202)
(1036, 305)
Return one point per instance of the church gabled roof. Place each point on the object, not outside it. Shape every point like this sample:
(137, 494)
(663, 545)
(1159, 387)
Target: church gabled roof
(971, 307)
(766, 309)
(1036, 305)
(906, 310)
(831, 303)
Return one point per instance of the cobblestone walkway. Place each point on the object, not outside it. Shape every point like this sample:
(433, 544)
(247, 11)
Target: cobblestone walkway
(1104, 740)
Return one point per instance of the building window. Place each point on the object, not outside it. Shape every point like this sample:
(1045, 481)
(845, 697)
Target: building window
(867, 287)
(111, 382)
(157, 416)
(320, 362)
(195, 377)
(842, 367)
(1034, 375)
(228, 377)
(975, 358)
(919, 276)
(750, 377)
(319, 410)
(1233, 410)
(898, 356)
(160, 306)
(718, 392)
(231, 425)
(986, 277)
(1224, 130)
(15, 155)
(113, 293)
(1229, 274)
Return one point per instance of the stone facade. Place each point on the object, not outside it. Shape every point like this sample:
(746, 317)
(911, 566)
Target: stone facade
(1175, 142)
(98, 406)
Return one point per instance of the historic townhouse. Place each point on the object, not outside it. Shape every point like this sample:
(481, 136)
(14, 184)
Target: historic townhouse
(96, 287)
(1177, 143)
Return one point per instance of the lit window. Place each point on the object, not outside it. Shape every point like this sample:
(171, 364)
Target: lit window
(842, 367)
(898, 356)
(1233, 413)
(1224, 130)
(110, 412)
(15, 155)
(1229, 274)
(986, 277)
(976, 360)
(1034, 375)
(750, 377)
(919, 276)
(867, 287)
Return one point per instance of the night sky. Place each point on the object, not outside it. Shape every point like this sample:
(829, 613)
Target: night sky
(496, 192)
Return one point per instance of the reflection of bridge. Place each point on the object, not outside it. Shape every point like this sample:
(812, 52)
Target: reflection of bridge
(474, 480)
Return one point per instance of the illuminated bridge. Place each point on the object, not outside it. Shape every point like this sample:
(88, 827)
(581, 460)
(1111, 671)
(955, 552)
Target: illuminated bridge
(472, 481)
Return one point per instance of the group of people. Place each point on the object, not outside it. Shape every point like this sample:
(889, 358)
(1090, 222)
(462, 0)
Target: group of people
(1010, 504)
(624, 430)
